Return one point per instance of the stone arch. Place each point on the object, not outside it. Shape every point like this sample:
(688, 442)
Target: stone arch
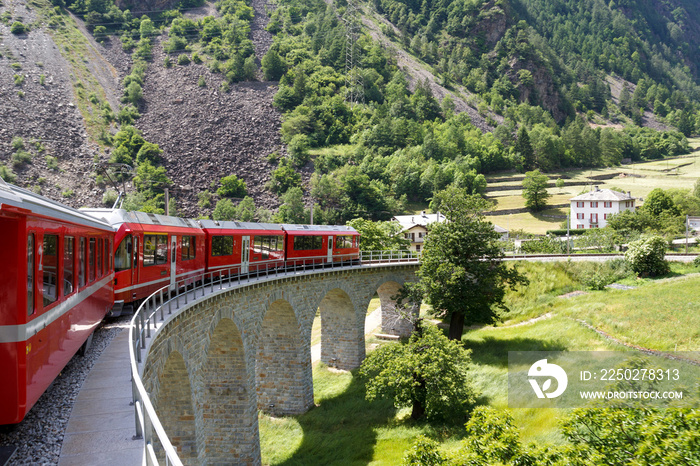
(392, 322)
(342, 331)
(227, 428)
(283, 363)
(175, 408)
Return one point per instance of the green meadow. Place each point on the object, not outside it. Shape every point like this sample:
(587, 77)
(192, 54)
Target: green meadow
(344, 428)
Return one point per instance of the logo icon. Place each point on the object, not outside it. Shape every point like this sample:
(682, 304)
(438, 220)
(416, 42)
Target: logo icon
(543, 369)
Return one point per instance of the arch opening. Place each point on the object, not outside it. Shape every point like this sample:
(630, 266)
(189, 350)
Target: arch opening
(342, 331)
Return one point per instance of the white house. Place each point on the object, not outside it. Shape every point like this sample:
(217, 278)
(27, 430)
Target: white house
(415, 227)
(592, 209)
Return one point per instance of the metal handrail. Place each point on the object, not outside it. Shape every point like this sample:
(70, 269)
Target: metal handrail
(152, 313)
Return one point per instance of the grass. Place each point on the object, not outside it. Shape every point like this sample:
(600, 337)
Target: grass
(345, 429)
(640, 179)
(537, 223)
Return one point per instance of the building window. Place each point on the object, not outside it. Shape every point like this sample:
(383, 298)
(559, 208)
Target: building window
(579, 204)
(605, 216)
(594, 204)
(607, 204)
(579, 216)
(417, 247)
(579, 227)
(594, 218)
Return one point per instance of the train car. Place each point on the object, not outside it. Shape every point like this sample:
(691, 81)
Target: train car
(55, 289)
(319, 244)
(152, 251)
(243, 247)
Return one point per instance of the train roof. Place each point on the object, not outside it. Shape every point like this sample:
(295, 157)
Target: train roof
(117, 217)
(233, 225)
(319, 228)
(15, 196)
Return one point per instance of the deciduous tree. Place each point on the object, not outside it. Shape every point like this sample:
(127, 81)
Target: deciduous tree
(535, 190)
(461, 271)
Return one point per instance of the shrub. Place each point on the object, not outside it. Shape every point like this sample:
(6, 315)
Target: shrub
(133, 93)
(232, 186)
(21, 157)
(224, 210)
(196, 58)
(202, 82)
(183, 59)
(425, 452)
(109, 198)
(7, 174)
(299, 149)
(696, 261)
(204, 199)
(19, 79)
(166, 61)
(42, 80)
(18, 28)
(127, 115)
(17, 143)
(51, 162)
(646, 256)
(67, 193)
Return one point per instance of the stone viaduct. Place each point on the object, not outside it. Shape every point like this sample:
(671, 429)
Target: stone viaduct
(217, 361)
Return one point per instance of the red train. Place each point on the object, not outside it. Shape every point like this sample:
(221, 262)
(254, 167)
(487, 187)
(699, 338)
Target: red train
(65, 269)
(55, 288)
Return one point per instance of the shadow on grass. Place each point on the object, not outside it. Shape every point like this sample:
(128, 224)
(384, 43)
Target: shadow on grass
(341, 431)
(494, 351)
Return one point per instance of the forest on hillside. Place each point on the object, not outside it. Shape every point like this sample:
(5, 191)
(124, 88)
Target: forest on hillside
(540, 73)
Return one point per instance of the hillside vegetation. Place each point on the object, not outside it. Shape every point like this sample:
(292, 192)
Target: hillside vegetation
(465, 88)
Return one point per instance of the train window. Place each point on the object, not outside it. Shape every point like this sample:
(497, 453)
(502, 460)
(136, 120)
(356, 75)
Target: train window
(106, 256)
(68, 264)
(122, 259)
(307, 243)
(155, 249)
(91, 260)
(189, 247)
(49, 265)
(30, 274)
(222, 245)
(82, 256)
(343, 242)
(99, 257)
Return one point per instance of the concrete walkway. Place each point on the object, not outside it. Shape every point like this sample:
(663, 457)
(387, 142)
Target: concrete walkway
(101, 426)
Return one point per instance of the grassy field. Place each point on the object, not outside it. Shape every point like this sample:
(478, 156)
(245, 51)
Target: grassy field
(639, 178)
(345, 429)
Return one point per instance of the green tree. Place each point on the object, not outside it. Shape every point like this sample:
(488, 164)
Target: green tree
(299, 149)
(292, 209)
(224, 210)
(272, 65)
(379, 236)
(524, 148)
(245, 210)
(461, 271)
(284, 177)
(428, 373)
(535, 190)
(647, 256)
(658, 201)
(150, 152)
(232, 186)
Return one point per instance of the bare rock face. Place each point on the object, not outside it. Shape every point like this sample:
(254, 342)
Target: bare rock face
(207, 133)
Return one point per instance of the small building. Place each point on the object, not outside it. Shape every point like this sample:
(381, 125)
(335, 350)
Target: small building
(415, 228)
(592, 209)
(693, 224)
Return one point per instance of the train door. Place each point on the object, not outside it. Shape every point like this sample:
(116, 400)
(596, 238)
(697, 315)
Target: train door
(330, 249)
(245, 254)
(173, 261)
(135, 270)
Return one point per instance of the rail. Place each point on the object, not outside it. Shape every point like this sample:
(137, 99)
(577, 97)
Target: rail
(155, 309)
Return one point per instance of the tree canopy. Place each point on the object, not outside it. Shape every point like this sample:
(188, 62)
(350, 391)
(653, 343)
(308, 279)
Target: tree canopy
(461, 272)
(535, 190)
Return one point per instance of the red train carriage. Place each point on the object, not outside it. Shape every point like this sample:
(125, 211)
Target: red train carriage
(314, 244)
(55, 288)
(247, 247)
(152, 251)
